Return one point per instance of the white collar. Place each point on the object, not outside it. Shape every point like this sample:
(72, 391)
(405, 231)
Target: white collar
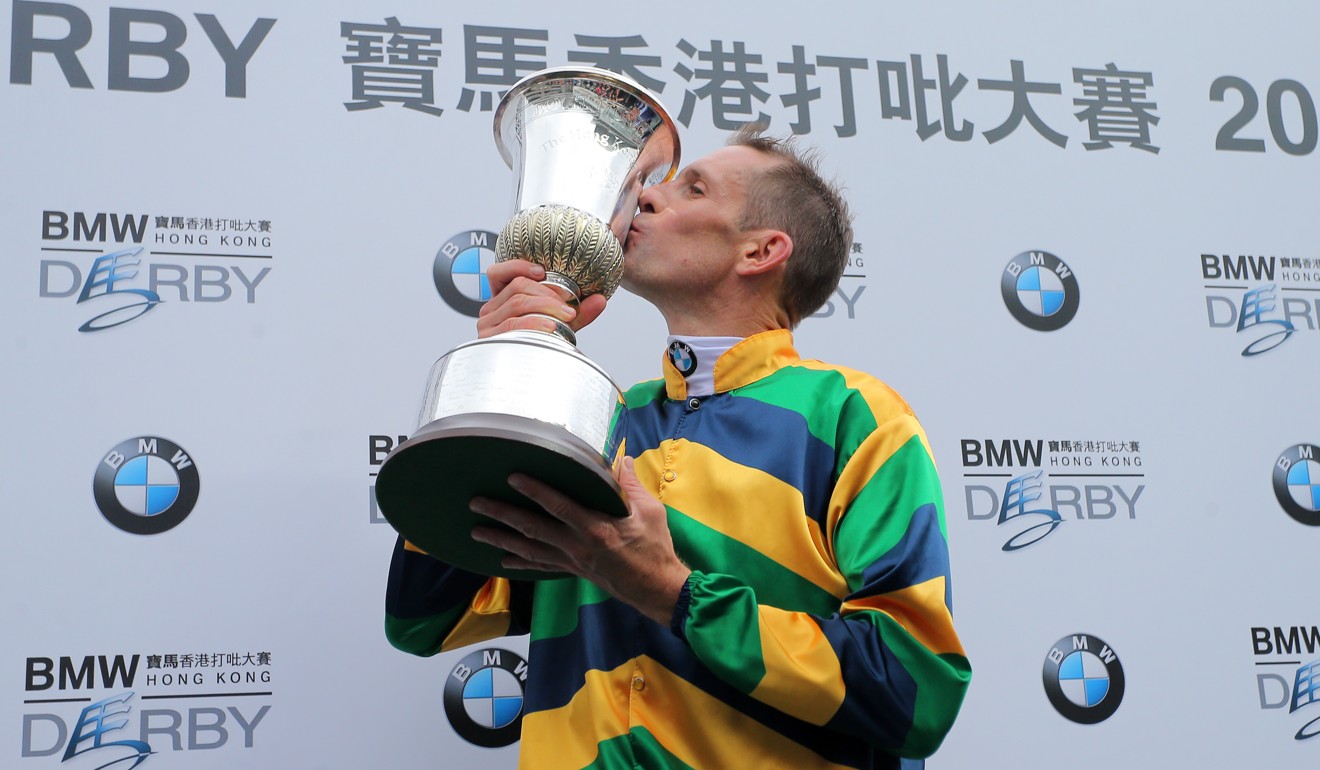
(695, 357)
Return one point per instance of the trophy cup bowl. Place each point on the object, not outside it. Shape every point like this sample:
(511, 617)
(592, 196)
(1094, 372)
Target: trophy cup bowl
(583, 143)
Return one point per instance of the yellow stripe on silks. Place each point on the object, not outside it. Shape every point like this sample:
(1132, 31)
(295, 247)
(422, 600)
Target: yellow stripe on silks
(487, 616)
(920, 610)
(749, 360)
(693, 725)
(688, 722)
(408, 546)
(675, 382)
(648, 466)
(567, 737)
(868, 458)
(709, 486)
(802, 675)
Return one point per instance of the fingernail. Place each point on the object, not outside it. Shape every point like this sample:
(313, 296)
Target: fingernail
(517, 481)
(477, 505)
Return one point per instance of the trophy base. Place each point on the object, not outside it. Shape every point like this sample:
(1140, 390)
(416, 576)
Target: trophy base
(426, 484)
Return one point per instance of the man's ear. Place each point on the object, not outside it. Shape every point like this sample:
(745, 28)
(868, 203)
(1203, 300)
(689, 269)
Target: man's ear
(764, 251)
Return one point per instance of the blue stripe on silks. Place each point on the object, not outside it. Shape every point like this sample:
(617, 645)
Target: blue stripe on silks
(651, 424)
(420, 586)
(673, 654)
(748, 432)
(860, 649)
(557, 666)
(557, 671)
(918, 556)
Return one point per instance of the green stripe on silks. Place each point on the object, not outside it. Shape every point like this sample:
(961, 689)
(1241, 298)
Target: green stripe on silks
(943, 683)
(780, 585)
(724, 631)
(562, 594)
(637, 749)
(942, 679)
(644, 393)
(407, 634)
(825, 392)
(906, 482)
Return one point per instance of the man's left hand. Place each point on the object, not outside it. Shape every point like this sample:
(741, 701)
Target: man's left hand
(631, 557)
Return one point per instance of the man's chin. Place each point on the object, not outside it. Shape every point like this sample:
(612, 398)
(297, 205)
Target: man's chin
(630, 283)
(631, 257)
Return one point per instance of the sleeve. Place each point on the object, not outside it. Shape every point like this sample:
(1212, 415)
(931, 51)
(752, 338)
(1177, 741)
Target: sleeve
(887, 666)
(431, 606)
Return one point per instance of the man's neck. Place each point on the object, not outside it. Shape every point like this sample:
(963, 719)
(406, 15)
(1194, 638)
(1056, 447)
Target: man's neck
(728, 319)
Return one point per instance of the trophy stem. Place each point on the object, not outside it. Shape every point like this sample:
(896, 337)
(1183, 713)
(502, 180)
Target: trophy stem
(568, 288)
(569, 292)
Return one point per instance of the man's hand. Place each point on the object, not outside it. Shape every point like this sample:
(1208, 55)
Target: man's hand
(517, 293)
(631, 557)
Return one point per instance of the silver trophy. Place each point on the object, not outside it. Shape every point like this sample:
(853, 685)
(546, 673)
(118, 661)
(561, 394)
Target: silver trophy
(583, 143)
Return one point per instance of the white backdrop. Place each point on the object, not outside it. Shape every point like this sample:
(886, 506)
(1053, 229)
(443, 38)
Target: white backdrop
(223, 146)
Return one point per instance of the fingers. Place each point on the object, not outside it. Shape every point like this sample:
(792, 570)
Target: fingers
(530, 538)
(519, 301)
(631, 557)
(554, 536)
(554, 502)
(501, 274)
(524, 304)
(520, 297)
(520, 552)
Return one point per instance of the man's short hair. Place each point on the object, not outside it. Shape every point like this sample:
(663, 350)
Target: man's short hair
(793, 197)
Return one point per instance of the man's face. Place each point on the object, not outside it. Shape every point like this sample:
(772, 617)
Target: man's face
(685, 236)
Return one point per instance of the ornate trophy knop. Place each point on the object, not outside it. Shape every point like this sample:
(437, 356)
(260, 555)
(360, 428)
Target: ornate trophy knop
(577, 250)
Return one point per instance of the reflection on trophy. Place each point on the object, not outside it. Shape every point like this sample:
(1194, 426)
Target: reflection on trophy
(582, 143)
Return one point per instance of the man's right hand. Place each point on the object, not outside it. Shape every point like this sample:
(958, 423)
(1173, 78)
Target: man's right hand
(517, 293)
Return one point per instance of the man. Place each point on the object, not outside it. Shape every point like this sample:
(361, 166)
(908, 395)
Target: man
(779, 594)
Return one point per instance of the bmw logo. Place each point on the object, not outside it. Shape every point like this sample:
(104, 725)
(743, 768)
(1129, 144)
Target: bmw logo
(1083, 679)
(682, 357)
(484, 697)
(1297, 483)
(1040, 291)
(146, 485)
(459, 270)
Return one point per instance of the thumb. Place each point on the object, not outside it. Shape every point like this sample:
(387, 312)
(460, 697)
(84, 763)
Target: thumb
(589, 309)
(629, 484)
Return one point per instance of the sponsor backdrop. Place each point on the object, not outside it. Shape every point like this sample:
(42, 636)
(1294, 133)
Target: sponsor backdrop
(238, 234)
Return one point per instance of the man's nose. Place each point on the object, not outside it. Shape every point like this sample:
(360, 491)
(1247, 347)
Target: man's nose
(650, 199)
